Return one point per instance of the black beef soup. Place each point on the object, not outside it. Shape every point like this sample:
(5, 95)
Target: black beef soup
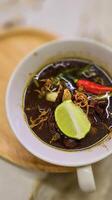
(68, 104)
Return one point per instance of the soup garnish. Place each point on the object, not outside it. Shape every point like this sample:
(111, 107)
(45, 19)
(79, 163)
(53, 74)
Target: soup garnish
(68, 104)
(71, 120)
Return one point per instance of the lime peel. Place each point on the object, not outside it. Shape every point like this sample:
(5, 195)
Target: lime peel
(71, 120)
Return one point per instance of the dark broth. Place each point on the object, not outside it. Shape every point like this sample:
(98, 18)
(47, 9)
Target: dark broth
(100, 116)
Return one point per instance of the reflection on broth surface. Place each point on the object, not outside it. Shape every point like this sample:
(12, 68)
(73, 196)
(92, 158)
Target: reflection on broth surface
(64, 94)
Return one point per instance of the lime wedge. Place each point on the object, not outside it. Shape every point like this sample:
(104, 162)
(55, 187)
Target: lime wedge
(71, 120)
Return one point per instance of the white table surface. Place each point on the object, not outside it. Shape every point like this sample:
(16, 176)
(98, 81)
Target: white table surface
(68, 19)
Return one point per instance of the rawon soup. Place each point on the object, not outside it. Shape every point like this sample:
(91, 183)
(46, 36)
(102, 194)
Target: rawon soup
(68, 104)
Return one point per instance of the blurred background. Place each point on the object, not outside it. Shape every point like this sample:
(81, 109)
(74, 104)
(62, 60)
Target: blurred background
(66, 19)
(89, 18)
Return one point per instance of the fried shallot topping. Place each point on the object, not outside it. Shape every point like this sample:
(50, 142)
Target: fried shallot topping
(39, 121)
(81, 100)
(46, 87)
(66, 95)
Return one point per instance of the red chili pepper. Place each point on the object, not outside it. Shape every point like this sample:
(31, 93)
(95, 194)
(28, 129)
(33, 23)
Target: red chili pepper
(93, 87)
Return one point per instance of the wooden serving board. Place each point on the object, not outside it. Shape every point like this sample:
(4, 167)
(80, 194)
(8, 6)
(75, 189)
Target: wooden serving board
(14, 45)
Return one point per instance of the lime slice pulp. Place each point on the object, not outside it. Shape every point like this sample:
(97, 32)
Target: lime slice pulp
(72, 120)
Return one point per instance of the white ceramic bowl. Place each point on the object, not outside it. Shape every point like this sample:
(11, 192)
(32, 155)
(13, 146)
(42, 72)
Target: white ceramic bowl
(82, 48)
